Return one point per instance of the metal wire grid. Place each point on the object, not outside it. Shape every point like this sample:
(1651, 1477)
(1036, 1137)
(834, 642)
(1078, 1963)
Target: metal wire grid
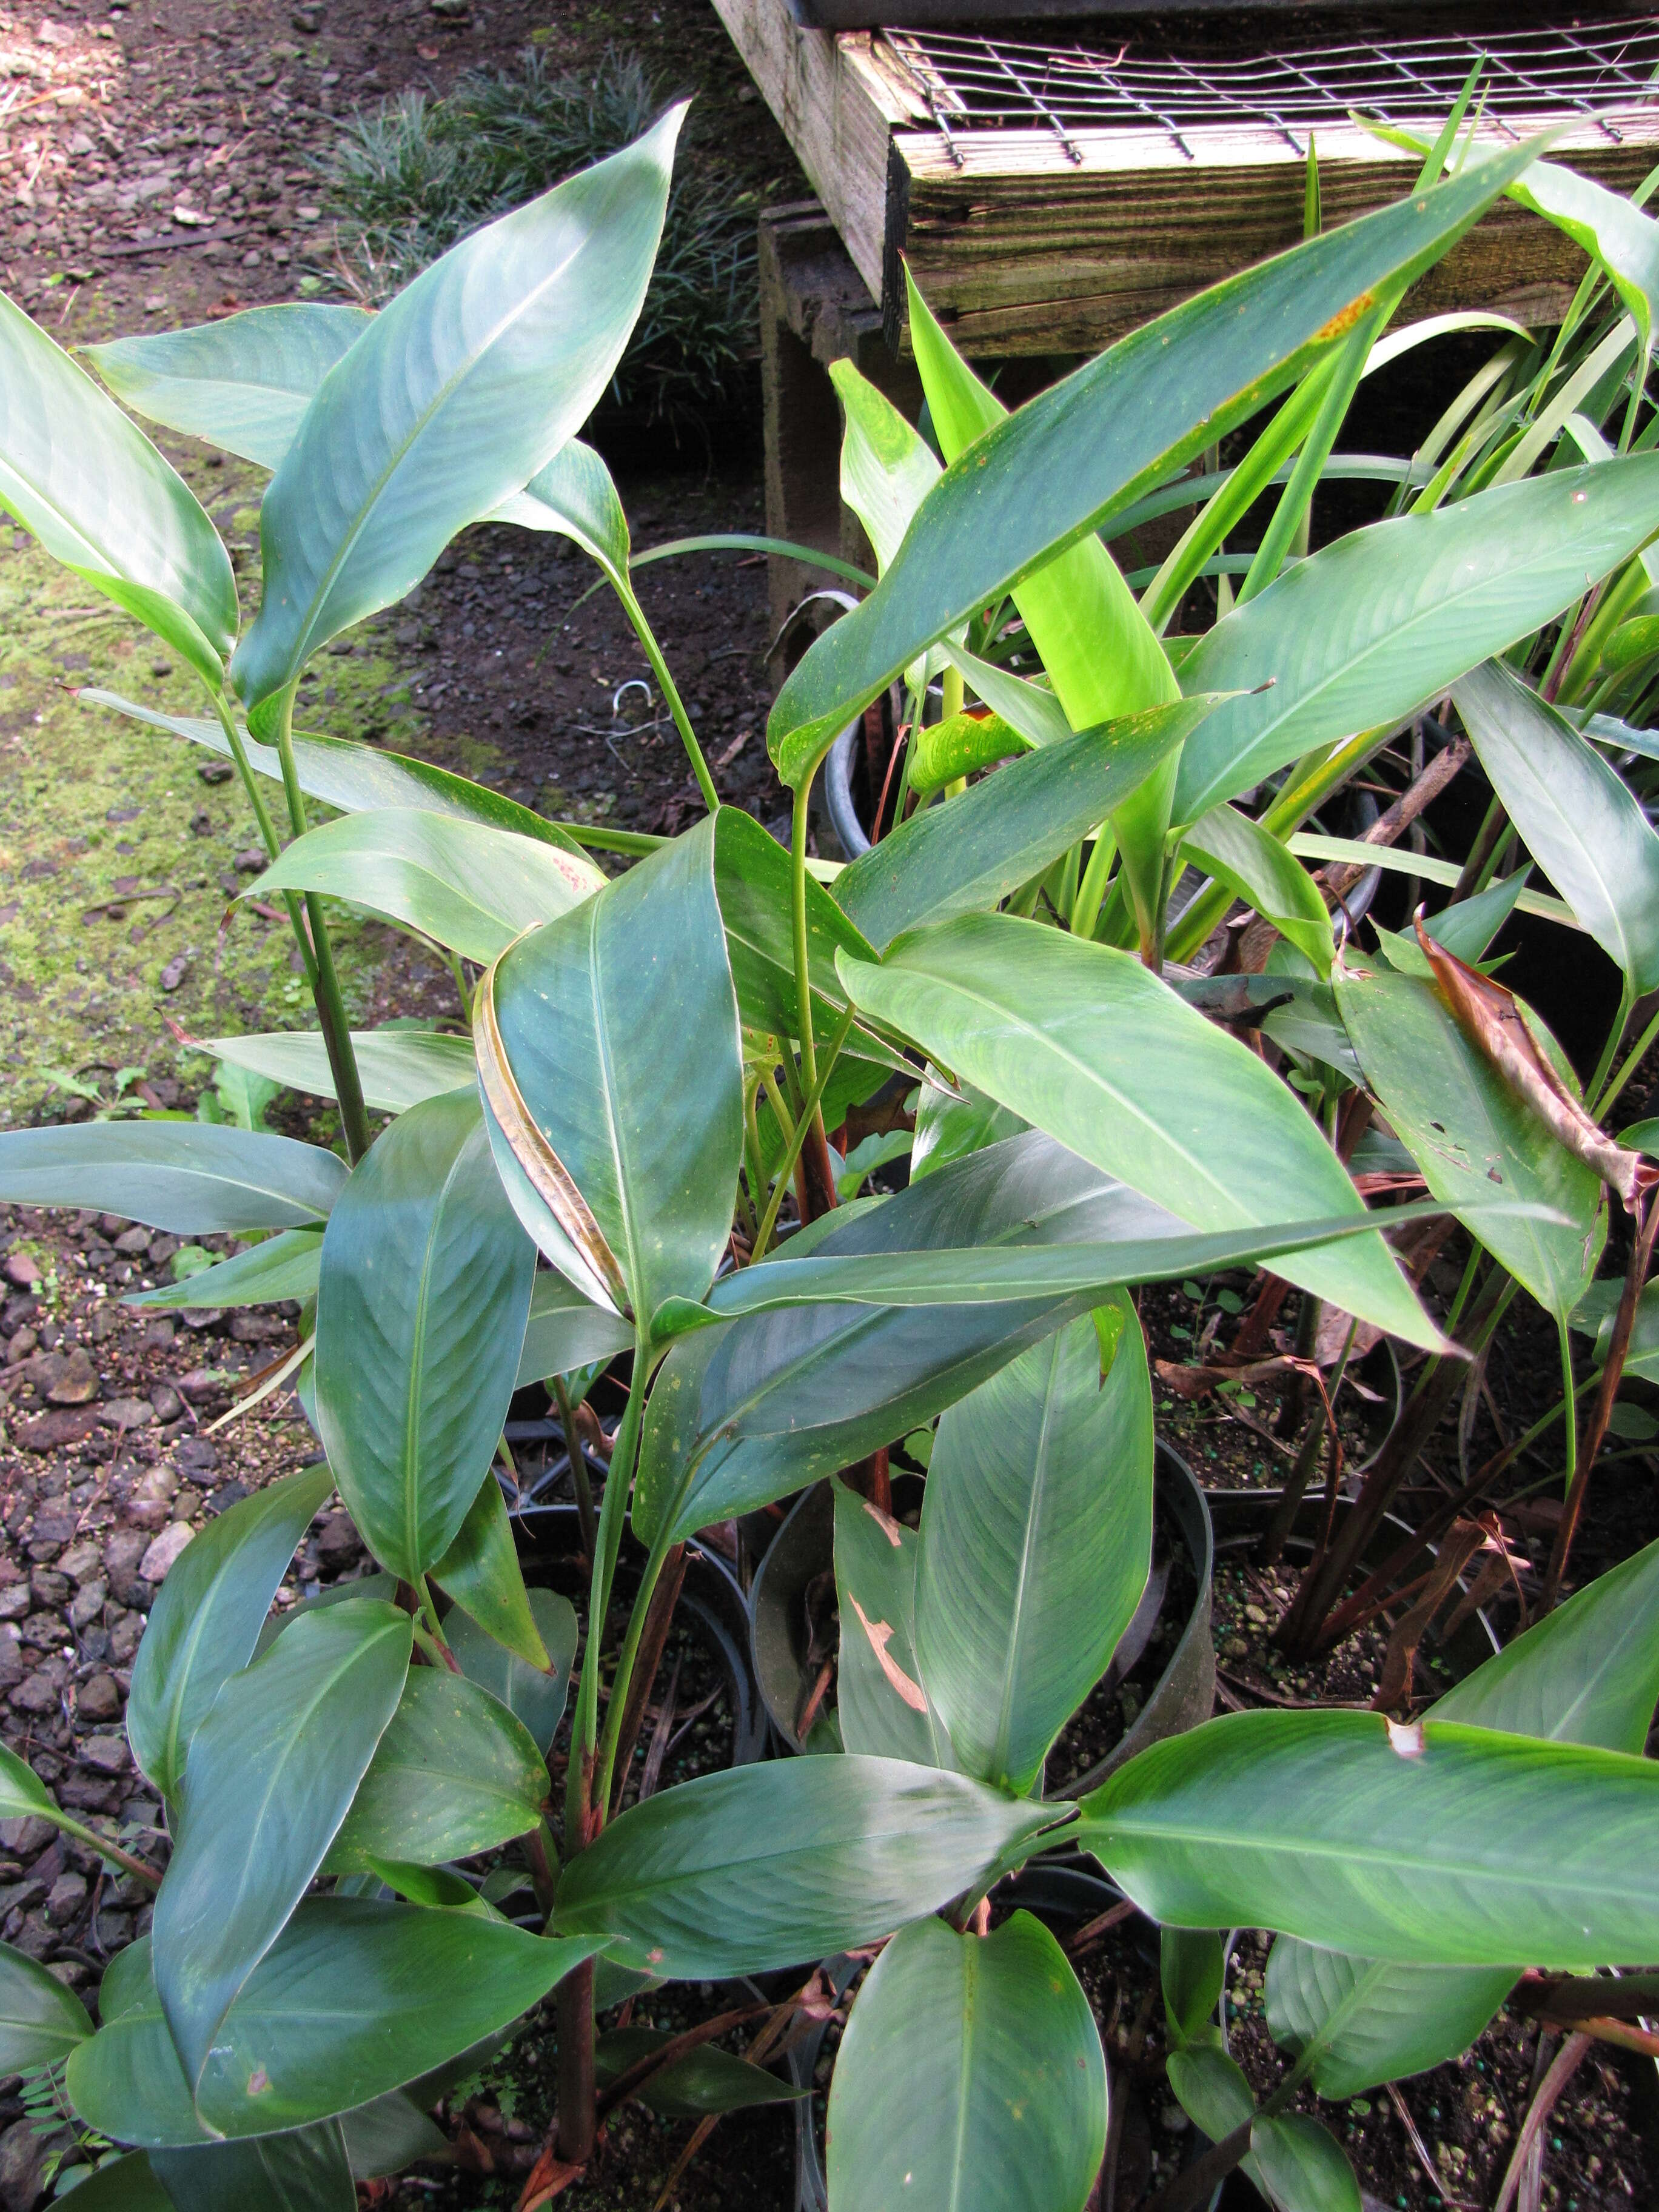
(974, 84)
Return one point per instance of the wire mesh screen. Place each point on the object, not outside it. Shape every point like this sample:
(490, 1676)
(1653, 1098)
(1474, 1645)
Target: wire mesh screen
(1597, 71)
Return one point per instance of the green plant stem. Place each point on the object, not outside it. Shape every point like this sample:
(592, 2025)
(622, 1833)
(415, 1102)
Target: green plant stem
(579, 1481)
(1295, 500)
(331, 1006)
(272, 842)
(635, 614)
(618, 1704)
(798, 1134)
(1601, 1103)
(584, 1813)
(1620, 1022)
(458, 972)
(809, 1067)
(104, 1849)
(1569, 1397)
(775, 1100)
(1086, 910)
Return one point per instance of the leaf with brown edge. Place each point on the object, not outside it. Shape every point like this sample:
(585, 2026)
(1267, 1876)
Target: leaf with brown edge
(1495, 1022)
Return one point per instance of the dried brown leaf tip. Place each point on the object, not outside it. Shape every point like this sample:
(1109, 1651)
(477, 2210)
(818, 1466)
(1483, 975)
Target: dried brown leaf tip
(1493, 1018)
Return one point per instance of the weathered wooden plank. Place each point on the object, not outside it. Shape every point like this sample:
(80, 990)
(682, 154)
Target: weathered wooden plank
(1019, 248)
(836, 107)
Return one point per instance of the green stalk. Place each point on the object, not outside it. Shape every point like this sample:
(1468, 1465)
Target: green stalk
(635, 614)
(1601, 1104)
(331, 1006)
(580, 1804)
(618, 1705)
(1569, 1398)
(1615, 1035)
(1295, 501)
(103, 1846)
(579, 1481)
(1086, 910)
(272, 842)
(798, 1135)
(798, 908)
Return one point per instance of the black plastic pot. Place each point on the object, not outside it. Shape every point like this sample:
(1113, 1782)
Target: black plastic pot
(803, 1547)
(549, 1539)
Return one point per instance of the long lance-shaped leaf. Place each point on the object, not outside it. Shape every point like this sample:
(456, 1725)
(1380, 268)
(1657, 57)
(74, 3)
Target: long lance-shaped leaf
(1472, 1133)
(398, 1067)
(243, 382)
(1363, 633)
(452, 398)
(1037, 1535)
(629, 998)
(285, 1265)
(1084, 1043)
(566, 1330)
(975, 849)
(1587, 1672)
(1252, 864)
(575, 497)
(1434, 1843)
(752, 884)
(1080, 454)
(763, 1865)
(1101, 653)
(188, 1178)
(302, 2170)
(94, 491)
(880, 1703)
(1577, 817)
(355, 777)
(354, 2000)
(420, 1312)
(207, 1617)
(271, 1772)
(970, 2074)
(473, 888)
(480, 1570)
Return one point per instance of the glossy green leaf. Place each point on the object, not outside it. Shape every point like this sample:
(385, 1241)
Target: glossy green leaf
(286, 1266)
(90, 486)
(1086, 1043)
(1609, 227)
(881, 1703)
(458, 392)
(304, 2170)
(1473, 1134)
(421, 1315)
(1468, 928)
(1587, 1672)
(1576, 816)
(127, 2184)
(1294, 2161)
(389, 2134)
(1101, 653)
(1256, 868)
(454, 1773)
(1026, 704)
(1368, 2021)
(1451, 1845)
(241, 383)
(1084, 451)
(207, 1616)
(970, 2074)
(887, 469)
(189, 1178)
(1036, 1536)
(975, 848)
(535, 1695)
(272, 1769)
(628, 998)
(952, 1122)
(765, 1866)
(566, 1330)
(743, 1414)
(355, 1999)
(480, 1571)
(574, 498)
(355, 777)
(706, 2080)
(471, 888)
(1386, 617)
(1192, 1968)
(971, 741)
(752, 884)
(22, 1791)
(41, 2020)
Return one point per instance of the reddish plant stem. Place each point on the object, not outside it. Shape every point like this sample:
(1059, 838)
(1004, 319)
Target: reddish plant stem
(1641, 1257)
(576, 2087)
(1563, 2067)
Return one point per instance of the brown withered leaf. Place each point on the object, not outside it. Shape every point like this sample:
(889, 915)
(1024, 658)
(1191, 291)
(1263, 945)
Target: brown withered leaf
(1494, 1020)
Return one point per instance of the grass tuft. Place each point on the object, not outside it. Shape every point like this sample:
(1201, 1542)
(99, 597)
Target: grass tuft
(412, 176)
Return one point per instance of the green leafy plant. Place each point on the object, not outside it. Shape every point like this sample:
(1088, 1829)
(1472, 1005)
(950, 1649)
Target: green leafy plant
(626, 1161)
